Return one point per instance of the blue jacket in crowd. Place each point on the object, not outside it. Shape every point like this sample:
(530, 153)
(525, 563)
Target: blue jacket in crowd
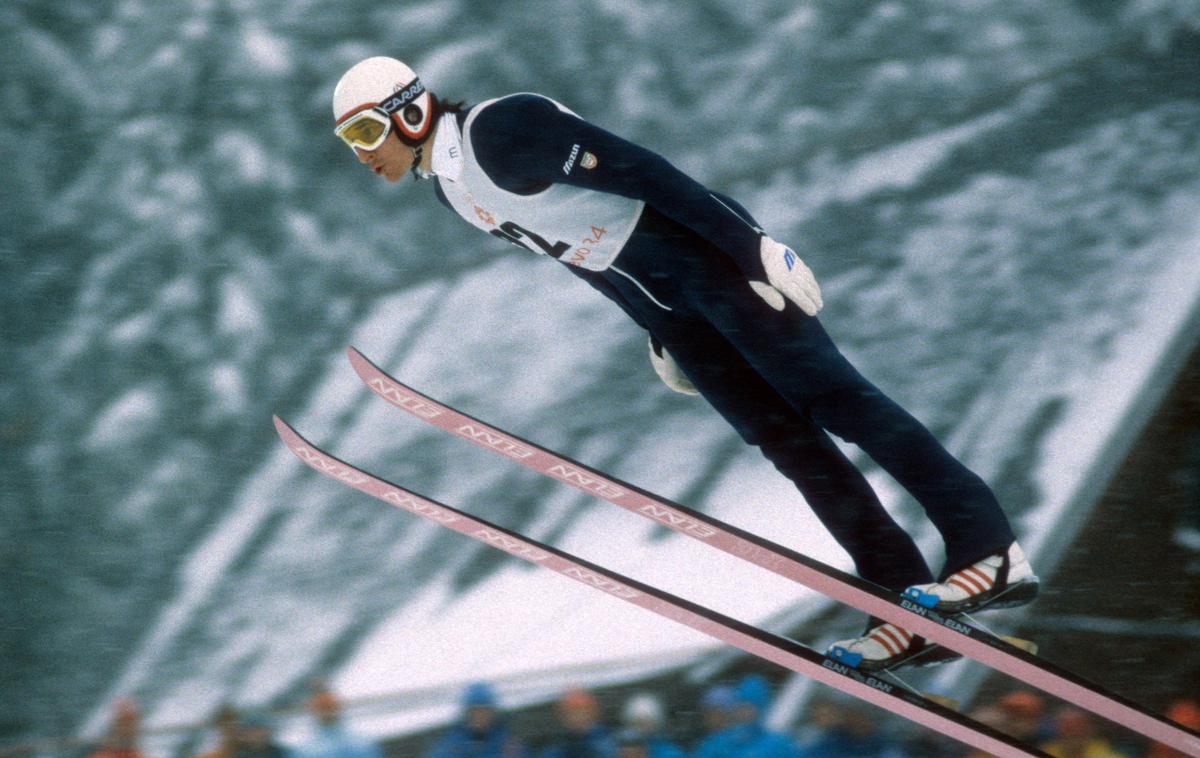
(461, 742)
(661, 747)
(750, 739)
(333, 741)
(596, 743)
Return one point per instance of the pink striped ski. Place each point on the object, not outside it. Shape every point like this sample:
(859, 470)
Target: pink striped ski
(753, 640)
(838, 585)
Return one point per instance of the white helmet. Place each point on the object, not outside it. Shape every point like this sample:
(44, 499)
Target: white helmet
(390, 86)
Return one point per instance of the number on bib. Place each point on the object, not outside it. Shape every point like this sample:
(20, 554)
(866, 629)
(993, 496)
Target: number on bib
(517, 235)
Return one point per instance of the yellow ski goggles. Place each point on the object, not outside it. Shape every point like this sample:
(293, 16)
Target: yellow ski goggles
(365, 129)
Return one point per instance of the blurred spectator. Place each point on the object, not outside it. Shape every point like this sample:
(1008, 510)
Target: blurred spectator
(632, 744)
(122, 738)
(748, 737)
(991, 715)
(584, 736)
(716, 708)
(227, 722)
(1020, 714)
(480, 732)
(256, 738)
(330, 738)
(926, 743)
(1075, 737)
(857, 734)
(716, 713)
(1024, 715)
(823, 717)
(644, 717)
(913, 741)
(1185, 713)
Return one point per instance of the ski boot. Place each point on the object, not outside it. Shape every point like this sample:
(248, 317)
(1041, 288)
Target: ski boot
(1003, 580)
(886, 647)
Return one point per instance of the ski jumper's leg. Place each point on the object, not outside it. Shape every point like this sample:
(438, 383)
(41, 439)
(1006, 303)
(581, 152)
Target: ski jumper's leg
(834, 488)
(794, 355)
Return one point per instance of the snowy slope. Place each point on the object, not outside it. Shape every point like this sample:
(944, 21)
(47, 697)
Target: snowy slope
(992, 195)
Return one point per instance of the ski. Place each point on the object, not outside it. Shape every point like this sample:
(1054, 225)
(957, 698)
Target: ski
(953, 633)
(770, 647)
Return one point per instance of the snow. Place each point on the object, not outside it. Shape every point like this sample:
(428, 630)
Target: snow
(444, 64)
(239, 311)
(268, 52)
(228, 388)
(126, 420)
(107, 39)
(142, 503)
(132, 330)
(244, 154)
(904, 164)
(1106, 398)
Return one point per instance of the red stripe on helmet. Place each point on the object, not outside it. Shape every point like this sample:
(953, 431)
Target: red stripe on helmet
(355, 111)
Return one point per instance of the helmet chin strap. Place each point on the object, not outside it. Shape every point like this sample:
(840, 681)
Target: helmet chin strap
(418, 172)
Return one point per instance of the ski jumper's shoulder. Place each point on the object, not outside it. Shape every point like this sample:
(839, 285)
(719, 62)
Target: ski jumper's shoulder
(515, 110)
(513, 139)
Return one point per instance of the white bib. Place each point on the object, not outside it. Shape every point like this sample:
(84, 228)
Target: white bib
(581, 227)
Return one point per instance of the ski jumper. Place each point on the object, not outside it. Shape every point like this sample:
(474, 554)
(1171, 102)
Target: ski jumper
(678, 258)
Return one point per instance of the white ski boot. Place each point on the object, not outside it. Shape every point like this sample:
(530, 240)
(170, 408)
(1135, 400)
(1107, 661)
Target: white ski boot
(885, 647)
(1003, 580)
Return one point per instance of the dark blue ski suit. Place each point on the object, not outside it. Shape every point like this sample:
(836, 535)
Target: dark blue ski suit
(776, 377)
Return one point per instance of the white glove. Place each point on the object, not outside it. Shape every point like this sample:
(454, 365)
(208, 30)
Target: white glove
(787, 276)
(668, 370)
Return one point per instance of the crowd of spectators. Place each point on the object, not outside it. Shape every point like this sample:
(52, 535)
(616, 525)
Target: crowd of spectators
(726, 722)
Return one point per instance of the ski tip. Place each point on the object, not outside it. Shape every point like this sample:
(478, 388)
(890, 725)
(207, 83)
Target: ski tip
(362, 365)
(284, 430)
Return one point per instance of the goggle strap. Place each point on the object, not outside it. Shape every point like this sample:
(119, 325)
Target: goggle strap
(402, 97)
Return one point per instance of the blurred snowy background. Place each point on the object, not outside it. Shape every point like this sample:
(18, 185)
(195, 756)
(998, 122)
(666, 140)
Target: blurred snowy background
(1002, 200)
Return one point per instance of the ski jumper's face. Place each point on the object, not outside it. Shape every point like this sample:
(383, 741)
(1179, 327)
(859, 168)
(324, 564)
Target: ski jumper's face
(391, 160)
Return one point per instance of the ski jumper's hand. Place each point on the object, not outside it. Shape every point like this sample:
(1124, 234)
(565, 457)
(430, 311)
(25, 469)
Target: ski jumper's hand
(787, 277)
(668, 370)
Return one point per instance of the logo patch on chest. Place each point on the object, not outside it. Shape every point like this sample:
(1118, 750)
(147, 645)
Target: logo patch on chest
(588, 160)
(570, 162)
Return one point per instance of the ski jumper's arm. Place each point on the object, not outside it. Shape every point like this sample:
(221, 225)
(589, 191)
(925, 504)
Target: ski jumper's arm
(529, 145)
